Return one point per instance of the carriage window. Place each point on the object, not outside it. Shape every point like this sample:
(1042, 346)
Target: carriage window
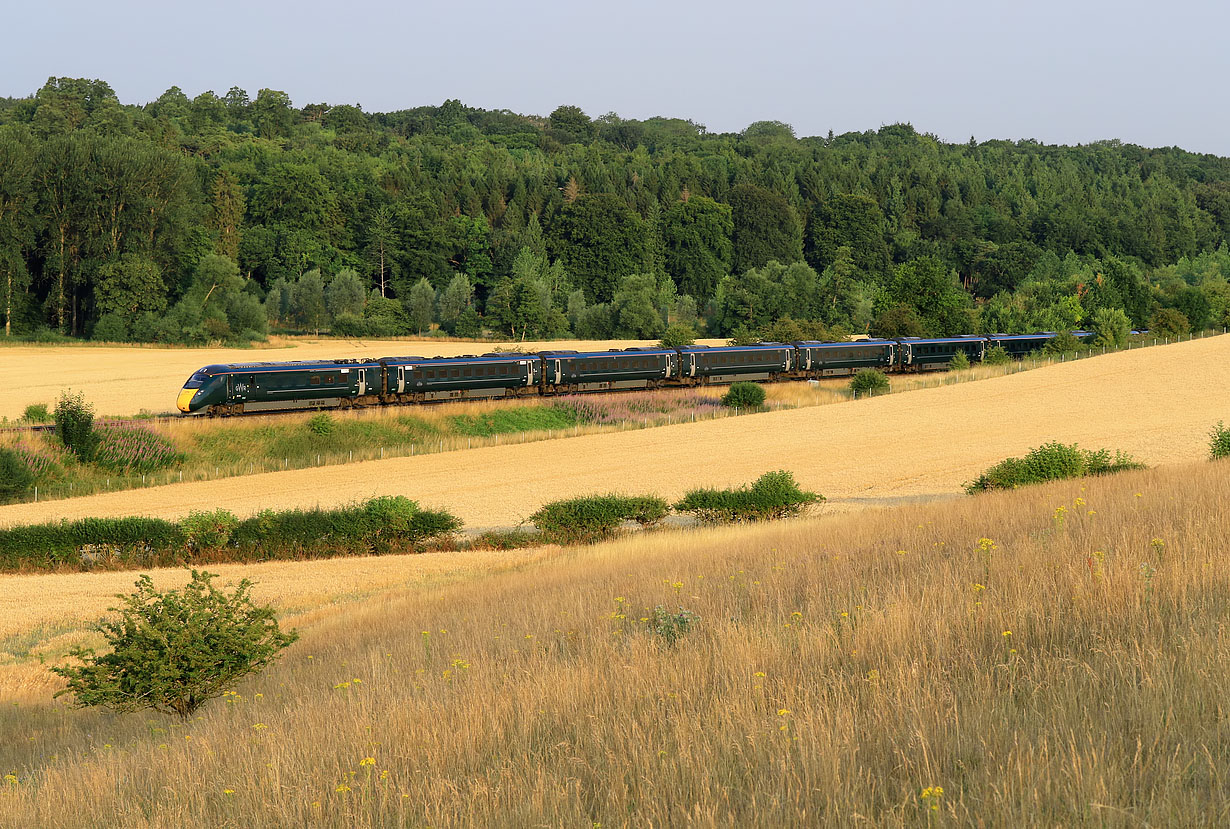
(431, 374)
(491, 371)
(456, 372)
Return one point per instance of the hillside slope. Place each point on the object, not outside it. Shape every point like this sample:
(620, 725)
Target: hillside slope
(922, 444)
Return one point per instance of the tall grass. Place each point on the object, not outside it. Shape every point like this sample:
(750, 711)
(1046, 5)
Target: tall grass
(1038, 670)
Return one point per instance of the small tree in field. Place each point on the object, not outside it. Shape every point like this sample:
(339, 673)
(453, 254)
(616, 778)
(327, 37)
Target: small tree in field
(174, 651)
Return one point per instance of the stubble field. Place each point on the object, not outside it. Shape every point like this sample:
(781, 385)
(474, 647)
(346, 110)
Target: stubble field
(920, 445)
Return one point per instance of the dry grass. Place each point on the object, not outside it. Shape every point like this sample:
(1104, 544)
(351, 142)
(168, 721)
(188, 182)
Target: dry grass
(1069, 670)
(924, 444)
(123, 380)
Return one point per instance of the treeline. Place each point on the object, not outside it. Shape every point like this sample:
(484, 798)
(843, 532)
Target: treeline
(221, 218)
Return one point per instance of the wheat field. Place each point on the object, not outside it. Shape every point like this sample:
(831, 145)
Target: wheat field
(1053, 656)
(921, 445)
(124, 380)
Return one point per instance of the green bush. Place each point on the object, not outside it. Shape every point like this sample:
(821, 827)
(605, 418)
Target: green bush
(744, 395)
(959, 361)
(381, 525)
(671, 627)
(16, 479)
(1065, 342)
(677, 335)
(110, 328)
(997, 355)
(36, 413)
(513, 539)
(585, 520)
(90, 542)
(173, 651)
(321, 424)
(1051, 462)
(1111, 327)
(208, 530)
(869, 382)
(75, 425)
(772, 496)
(1219, 442)
(1169, 322)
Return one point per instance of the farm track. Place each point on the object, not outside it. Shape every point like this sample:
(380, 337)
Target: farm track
(921, 445)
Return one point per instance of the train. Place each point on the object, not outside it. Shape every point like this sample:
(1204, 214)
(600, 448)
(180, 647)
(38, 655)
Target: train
(244, 388)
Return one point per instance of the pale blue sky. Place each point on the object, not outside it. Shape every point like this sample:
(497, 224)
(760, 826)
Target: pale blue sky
(1062, 72)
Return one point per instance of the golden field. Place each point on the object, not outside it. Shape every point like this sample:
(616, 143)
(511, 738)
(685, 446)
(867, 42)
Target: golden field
(124, 380)
(920, 445)
(1053, 656)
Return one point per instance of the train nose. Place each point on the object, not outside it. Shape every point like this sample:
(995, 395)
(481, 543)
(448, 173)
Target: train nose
(185, 397)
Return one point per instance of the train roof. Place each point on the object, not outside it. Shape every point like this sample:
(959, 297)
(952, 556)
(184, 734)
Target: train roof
(753, 346)
(612, 353)
(842, 343)
(930, 340)
(289, 365)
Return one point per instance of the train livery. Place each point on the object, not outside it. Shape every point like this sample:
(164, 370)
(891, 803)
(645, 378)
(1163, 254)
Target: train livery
(261, 387)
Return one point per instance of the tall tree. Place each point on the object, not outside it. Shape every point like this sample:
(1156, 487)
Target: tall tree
(226, 214)
(696, 238)
(766, 228)
(600, 240)
(17, 218)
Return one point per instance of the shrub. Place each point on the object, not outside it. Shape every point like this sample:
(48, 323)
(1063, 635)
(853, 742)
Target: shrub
(1065, 342)
(88, 542)
(677, 335)
(174, 651)
(743, 395)
(997, 355)
(75, 425)
(505, 539)
(348, 325)
(208, 530)
(321, 424)
(869, 382)
(585, 520)
(379, 526)
(1051, 462)
(133, 449)
(15, 476)
(772, 496)
(110, 328)
(1219, 442)
(1111, 326)
(36, 413)
(1169, 322)
(959, 361)
(671, 627)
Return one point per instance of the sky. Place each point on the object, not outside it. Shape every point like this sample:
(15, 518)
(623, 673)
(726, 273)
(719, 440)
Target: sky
(1061, 72)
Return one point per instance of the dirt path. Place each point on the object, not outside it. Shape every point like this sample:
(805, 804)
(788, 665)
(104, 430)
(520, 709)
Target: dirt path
(122, 380)
(922, 444)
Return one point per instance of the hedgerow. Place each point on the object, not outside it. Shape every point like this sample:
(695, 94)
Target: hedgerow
(1051, 462)
(584, 520)
(773, 495)
(381, 525)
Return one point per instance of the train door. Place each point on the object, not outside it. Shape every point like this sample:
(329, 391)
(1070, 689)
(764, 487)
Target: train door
(401, 379)
(559, 372)
(362, 381)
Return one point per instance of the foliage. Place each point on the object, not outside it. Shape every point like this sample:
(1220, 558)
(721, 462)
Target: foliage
(1219, 442)
(75, 425)
(596, 517)
(1111, 327)
(513, 539)
(378, 526)
(869, 382)
(671, 627)
(772, 496)
(321, 424)
(677, 335)
(1051, 462)
(172, 651)
(133, 449)
(997, 355)
(506, 421)
(36, 413)
(1065, 342)
(959, 361)
(1169, 322)
(16, 479)
(744, 395)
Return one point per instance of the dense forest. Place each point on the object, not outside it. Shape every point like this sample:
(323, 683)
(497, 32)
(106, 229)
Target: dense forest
(221, 218)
